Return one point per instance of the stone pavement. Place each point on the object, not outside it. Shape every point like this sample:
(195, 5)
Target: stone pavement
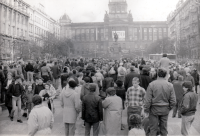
(12, 128)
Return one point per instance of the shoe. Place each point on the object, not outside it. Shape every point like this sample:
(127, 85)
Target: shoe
(24, 115)
(20, 121)
(11, 118)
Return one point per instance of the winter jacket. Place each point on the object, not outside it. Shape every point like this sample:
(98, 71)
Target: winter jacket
(178, 90)
(144, 81)
(71, 105)
(189, 103)
(107, 82)
(195, 75)
(29, 68)
(85, 90)
(56, 71)
(15, 90)
(2, 77)
(92, 110)
(160, 97)
(191, 79)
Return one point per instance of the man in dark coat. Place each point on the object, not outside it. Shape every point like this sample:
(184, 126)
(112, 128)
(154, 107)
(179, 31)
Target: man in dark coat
(145, 78)
(56, 72)
(29, 69)
(195, 75)
(129, 78)
(92, 111)
(177, 84)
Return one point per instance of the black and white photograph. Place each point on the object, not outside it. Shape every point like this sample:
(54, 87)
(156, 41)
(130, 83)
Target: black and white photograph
(99, 67)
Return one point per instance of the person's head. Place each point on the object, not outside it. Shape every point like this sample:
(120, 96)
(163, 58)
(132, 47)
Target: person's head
(145, 71)
(18, 79)
(29, 88)
(92, 74)
(92, 87)
(187, 86)
(164, 55)
(87, 79)
(141, 67)
(162, 72)
(135, 82)
(37, 100)
(119, 83)
(135, 121)
(72, 84)
(9, 76)
(44, 64)
(74, 72)
(111, 91)
(180, 78)
(40, 81)
(132, 68)
(11, 66)
(55, 63)
(47, 86)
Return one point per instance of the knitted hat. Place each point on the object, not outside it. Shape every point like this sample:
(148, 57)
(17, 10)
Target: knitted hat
(187, 84)
(111, 91)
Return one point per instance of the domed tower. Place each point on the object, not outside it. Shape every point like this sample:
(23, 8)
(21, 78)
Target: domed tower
(65, 26)
(64, 20)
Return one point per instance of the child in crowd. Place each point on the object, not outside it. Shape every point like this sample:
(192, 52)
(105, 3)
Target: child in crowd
(135, 121)
(29, 95)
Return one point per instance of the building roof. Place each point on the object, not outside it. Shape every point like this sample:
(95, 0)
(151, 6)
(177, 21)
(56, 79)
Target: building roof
(65, 17)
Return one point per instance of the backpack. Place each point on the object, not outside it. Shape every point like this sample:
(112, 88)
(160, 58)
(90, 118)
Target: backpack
(122, 72)
(112, 71)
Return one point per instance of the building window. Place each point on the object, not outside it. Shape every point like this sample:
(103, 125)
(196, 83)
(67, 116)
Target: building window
(92, 30)
(150, 37)
(145, 37)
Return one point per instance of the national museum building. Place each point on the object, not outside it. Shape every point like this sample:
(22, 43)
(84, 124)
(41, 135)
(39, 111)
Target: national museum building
(99, 38)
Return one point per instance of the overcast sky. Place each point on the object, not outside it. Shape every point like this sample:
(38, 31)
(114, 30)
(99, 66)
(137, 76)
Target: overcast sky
(94, 10)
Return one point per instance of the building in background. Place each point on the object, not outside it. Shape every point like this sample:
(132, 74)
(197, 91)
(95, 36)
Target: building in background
(14, 20)
(184, 28)
(41, 25)
(97, 38)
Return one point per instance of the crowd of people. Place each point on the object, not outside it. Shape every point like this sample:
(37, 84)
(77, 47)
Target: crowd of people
(98, 91)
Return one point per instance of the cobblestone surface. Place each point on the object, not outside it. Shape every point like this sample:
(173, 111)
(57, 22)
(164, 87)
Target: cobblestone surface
(12, 128)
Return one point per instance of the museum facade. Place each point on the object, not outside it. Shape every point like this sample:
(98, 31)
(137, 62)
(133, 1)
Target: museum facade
(98, 38)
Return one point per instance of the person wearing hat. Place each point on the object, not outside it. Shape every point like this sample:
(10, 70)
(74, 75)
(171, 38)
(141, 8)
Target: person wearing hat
(145, 78)
(41, 119)
(92, 111)
(188, 107)
(112, 113)
(15, 91)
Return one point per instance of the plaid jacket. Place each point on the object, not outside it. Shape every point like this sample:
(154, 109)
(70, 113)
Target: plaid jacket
(135, 96)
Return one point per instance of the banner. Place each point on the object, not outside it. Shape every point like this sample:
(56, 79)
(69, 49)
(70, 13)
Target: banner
(120, 34)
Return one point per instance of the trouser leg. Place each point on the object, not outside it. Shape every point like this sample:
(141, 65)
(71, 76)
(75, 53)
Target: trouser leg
(163, 125)
(71, 129)
(66, 129)
(19, 107)
(175, 108)
(9, 110)
(13, 106)
(87, 129)
(153, 124)
(186, 124)
(95, 129)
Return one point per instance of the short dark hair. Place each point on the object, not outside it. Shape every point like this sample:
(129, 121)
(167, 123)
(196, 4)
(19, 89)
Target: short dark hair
(74, 72)
(37, 100)
(87, 79)
(162, 72)
(119, 83)
(72, 84)
(56, 63)
(164, 55)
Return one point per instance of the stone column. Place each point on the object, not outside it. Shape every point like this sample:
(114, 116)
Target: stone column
(6, 20)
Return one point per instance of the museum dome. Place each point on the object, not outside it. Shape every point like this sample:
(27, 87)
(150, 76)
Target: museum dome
(65, 18)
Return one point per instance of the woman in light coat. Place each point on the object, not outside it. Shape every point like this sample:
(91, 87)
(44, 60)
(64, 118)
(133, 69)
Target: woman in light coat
(112, 113)
(70, 101)
(40, 122)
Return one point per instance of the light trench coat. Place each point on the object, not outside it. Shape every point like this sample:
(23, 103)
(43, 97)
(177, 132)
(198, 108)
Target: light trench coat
(40, 121)
(70, 101)
(112, 115)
